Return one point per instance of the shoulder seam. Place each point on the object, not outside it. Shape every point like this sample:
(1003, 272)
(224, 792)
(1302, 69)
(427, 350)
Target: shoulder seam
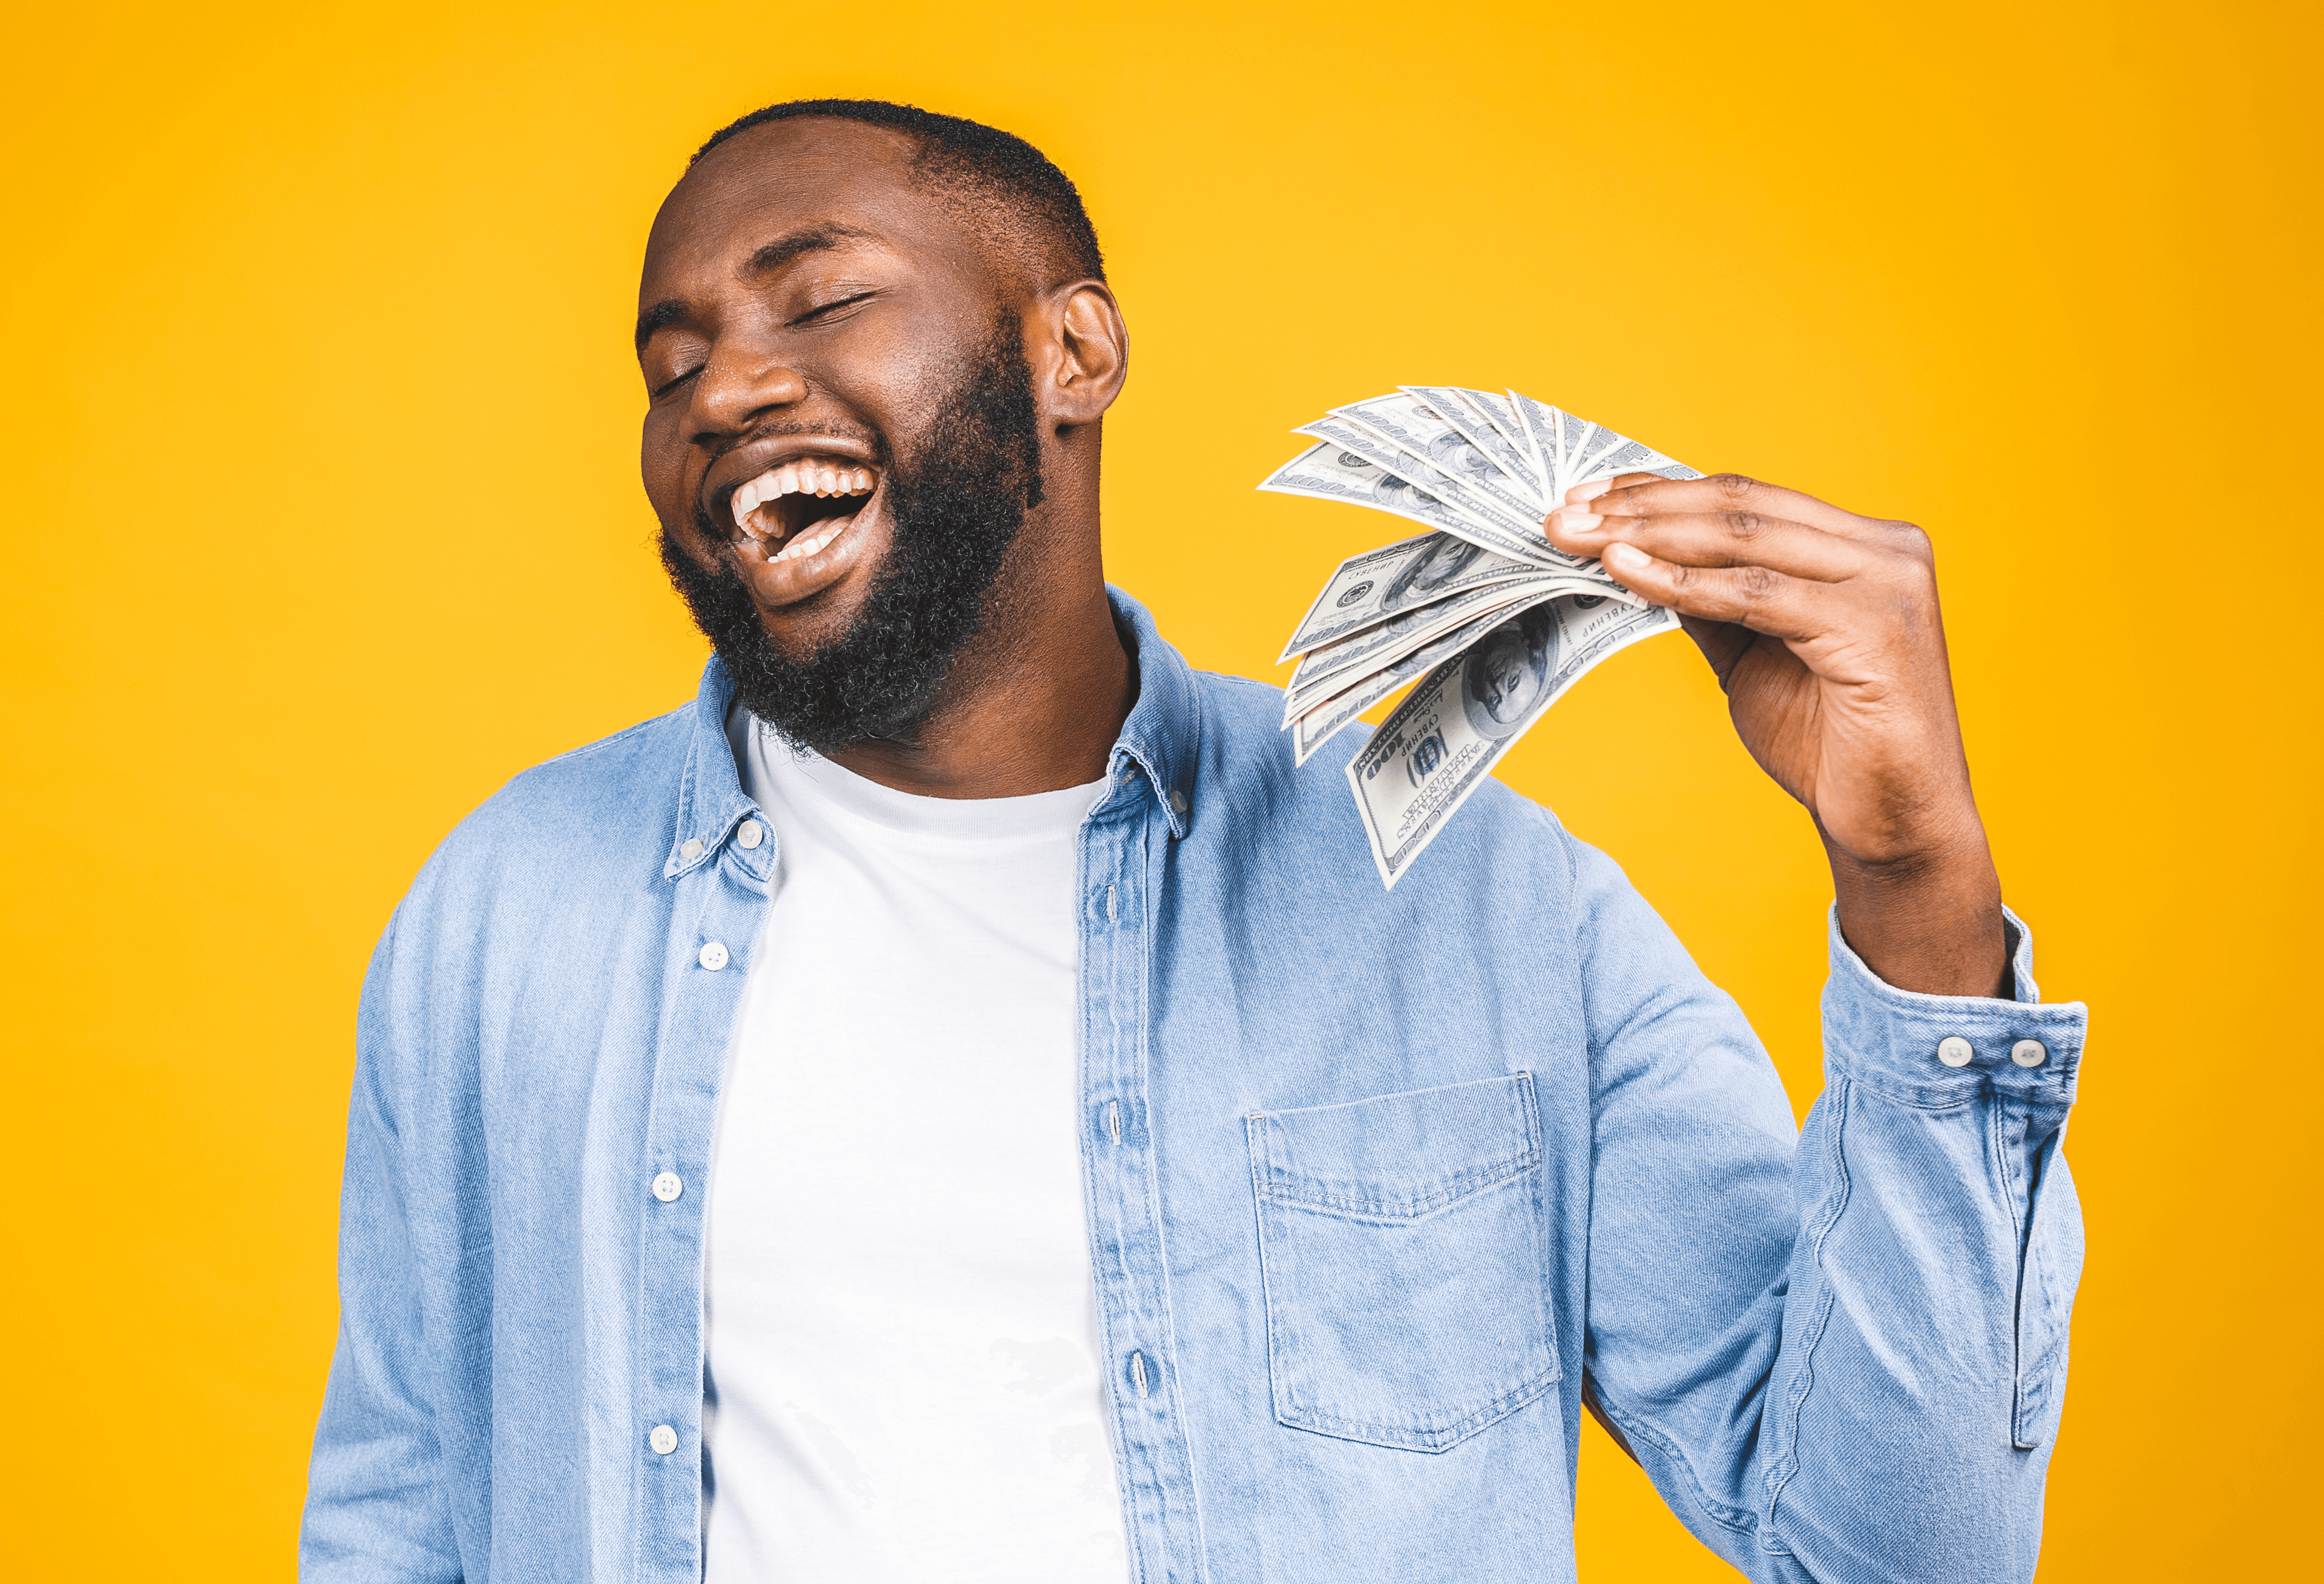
(604, 742)
(1246, 681)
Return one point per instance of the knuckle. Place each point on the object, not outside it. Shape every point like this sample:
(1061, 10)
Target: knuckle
(1745, 525)
(1756, 583)
(1906, 534)
(1734, 486)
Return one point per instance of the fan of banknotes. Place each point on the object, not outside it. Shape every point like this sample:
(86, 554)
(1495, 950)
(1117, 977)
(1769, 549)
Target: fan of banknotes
(1494, 620)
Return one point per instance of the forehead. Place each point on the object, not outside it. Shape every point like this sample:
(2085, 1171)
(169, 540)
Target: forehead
(785, 176)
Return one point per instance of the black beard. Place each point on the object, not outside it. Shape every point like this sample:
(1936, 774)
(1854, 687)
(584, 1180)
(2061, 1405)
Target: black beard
(954, 508)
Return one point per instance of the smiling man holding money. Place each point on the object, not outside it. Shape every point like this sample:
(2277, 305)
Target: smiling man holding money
(955, 1100)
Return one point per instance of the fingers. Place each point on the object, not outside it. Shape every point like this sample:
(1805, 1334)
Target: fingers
(1731, 549)
(1706, 538)
(1754, 596)
(1640, 494)
(1722, 643)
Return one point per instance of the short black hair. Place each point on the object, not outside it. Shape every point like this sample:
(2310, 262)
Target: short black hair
(984, 165)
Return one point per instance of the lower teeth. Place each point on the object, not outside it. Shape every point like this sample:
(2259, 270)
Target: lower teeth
(814, 540)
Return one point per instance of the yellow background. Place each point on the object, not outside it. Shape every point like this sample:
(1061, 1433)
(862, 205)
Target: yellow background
(324, 520)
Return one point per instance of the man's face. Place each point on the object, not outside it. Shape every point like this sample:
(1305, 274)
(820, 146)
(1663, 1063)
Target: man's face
(825, 349)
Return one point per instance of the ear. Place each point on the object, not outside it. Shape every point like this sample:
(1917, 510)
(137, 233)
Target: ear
(1082, 353)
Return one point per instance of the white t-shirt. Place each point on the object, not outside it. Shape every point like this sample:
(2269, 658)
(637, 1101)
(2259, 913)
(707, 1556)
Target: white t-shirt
(902, 1380)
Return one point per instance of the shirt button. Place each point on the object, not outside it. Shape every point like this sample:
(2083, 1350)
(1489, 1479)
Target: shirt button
(1177, 800)
(712, 957)
(1955, 1051)
(668, 1186)
(691, 849)
(750, 832)
(2029, 1053)
(663, 1440)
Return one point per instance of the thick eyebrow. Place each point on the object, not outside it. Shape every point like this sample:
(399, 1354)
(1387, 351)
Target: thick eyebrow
(809, 239)
(665, 313)
(773, 256)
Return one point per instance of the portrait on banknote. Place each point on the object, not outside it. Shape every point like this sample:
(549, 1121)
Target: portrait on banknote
(1440, 562)
(1507, 672)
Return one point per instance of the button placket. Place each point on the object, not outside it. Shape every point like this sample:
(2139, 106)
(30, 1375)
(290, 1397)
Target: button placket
(1121, 856)
(717, 897)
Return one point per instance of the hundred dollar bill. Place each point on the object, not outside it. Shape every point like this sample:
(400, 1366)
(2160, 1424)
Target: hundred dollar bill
(1540, 424)
(1570, 450)
(1383, 582)
(1496, 410)
(1620, 455)
(1471, 516)
(1497, 415)
(1388, 641)
(1437, 747)
(1412, 425)
(1323, 717)
(1462, 417)
(1330, 471)
(1575, 436)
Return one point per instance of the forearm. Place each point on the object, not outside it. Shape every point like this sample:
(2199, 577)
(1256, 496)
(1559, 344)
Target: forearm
(1930, 922)
(1813, 1348)
(1906, 1421)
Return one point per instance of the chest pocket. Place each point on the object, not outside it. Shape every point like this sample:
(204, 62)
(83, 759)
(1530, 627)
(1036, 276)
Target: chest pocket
(1408, 1292)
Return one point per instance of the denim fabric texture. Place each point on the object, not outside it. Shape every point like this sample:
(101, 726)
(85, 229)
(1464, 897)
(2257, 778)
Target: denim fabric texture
(1376, 1180)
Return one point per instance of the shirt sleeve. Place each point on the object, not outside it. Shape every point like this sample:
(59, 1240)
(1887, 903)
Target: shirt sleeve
(1840, 1357)
(376, 1508)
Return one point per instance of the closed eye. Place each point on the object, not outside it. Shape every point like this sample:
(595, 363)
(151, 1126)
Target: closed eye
(822, 311)
(665, 389)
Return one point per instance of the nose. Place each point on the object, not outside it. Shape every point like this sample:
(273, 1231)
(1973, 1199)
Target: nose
(738, 386)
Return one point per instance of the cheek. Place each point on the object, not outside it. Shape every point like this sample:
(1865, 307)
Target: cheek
(901, 373)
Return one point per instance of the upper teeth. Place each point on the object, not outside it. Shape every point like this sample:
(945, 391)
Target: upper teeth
(800, 478)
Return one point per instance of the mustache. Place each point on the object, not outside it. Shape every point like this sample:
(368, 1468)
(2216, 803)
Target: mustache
(956, 492)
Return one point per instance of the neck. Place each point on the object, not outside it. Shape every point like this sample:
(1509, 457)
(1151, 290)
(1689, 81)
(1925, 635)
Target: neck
(1037, 697)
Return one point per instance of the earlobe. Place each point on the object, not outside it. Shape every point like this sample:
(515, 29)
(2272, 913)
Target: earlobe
(1093, 353)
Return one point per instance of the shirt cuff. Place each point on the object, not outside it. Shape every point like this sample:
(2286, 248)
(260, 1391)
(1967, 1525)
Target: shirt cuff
(1938, 1050)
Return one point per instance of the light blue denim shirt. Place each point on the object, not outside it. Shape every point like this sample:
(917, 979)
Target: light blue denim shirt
(1376, 1182)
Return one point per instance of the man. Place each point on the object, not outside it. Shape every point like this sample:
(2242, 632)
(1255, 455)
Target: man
(953, 1102)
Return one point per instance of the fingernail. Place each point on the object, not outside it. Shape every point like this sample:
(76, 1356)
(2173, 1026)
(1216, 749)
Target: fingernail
(1580, 494)
(1574, 520)
(1623, 558)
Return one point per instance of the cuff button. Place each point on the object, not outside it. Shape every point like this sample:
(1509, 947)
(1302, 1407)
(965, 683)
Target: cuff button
(2029, 1053)
(1955, 1051)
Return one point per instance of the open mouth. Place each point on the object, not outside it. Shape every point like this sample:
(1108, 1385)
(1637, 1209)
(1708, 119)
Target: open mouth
(797, 510)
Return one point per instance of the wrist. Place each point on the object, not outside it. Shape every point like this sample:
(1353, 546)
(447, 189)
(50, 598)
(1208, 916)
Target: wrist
(1929, 921)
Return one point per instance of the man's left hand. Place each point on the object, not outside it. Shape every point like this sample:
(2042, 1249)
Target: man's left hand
(1824, 629)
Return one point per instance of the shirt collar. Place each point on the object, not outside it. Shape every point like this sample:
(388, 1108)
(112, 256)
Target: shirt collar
(711, 801)
(1162, 738)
